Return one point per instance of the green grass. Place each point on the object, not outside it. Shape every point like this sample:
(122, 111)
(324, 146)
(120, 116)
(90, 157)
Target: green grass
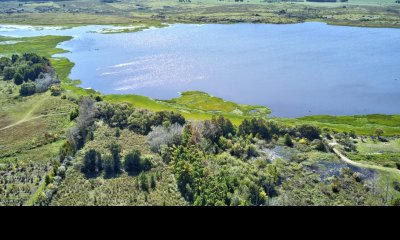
(45, 125)
(370, 146)
(194, 106)
(205, 102)
(385, 181)
(370, 151)
(361, 124)
(44, 45)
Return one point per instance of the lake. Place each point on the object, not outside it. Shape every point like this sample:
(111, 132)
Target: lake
(295, 69)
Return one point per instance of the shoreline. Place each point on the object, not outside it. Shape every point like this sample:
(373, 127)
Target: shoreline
(63, 67)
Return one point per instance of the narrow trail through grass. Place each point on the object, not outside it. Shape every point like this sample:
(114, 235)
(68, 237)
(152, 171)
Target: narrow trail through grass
(347, 160)
(28, 116)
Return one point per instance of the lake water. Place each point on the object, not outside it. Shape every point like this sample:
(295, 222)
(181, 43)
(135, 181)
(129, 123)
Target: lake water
(295, 69)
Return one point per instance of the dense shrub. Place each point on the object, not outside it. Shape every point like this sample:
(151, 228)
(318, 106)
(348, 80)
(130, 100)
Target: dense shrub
(309, 131)
(319, 145)
(162, 136)
(288, 140)
(8, 73)
(18, 79)
(396, 186)
(55, 90)
(4, 62)
(348, 144)
(74, 114)
(27, 89)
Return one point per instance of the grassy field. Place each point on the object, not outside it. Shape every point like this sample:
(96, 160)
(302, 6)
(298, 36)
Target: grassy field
(385, 154)
(372, 13)
(194, 106)
(362, 125)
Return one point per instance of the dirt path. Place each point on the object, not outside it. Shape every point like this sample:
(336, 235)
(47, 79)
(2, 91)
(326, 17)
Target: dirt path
(30, 119)
(347, 160)
(28, 116)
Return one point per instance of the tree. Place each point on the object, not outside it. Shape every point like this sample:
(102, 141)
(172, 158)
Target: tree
(224, 127)
(188, 169)
(108, 166)
(132, 162)
(74, 114)
(271, 179)
(116, 157)
(14, 58)
(87, 113)
(309, 131)
(92, 163)
(320, 146)
(18, 79)
(378, 132)
(8, 73)
(153, 182)
(288, 140)
(117, 132)
(353, 134)
(143, 182)
(80, 132)
(27, 89)
(4, 62)
(45, 80)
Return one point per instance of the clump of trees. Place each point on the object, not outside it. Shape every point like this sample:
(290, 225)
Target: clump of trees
(33, 72)
(93, 164)
(137, 120)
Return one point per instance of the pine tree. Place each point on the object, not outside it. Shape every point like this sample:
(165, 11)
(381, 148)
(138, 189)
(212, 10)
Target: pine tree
(288, 140)
(132, 162)
(115, 149)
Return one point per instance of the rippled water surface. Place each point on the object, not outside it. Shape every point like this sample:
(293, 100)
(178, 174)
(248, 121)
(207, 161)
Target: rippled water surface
(296, 69)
